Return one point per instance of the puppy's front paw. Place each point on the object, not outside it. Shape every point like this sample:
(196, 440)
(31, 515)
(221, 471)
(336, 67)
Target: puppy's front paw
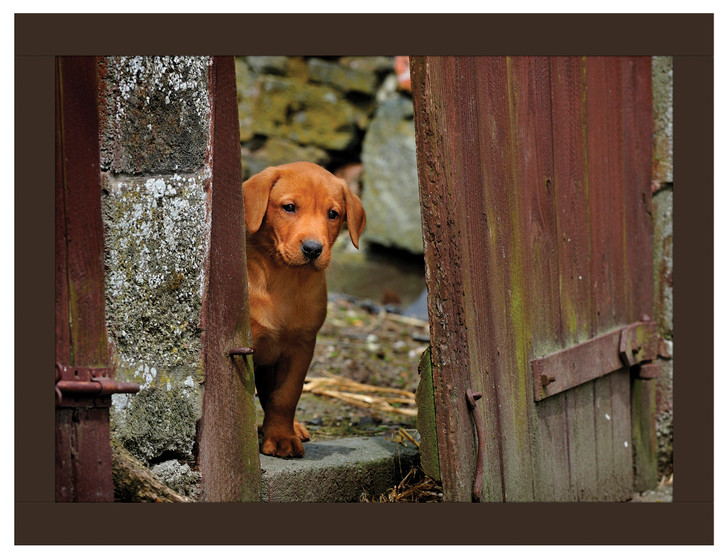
(282, 446)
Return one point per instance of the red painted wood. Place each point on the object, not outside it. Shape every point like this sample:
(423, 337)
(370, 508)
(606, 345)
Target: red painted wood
(522, 165)
(83, 451)
(442, 181)
(228, 444)
(530, 82)
(636, 91)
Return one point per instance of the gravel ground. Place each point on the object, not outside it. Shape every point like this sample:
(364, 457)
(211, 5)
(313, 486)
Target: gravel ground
(361, 342)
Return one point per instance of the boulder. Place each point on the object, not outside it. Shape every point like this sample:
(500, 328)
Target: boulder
(390, 190)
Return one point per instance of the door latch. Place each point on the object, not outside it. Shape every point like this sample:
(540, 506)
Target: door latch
(84, 386)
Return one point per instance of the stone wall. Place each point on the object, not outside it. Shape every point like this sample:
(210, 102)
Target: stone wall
(662, 188)
(154, 136)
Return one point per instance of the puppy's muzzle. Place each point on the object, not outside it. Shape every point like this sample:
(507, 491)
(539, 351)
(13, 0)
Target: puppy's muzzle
(311, 249)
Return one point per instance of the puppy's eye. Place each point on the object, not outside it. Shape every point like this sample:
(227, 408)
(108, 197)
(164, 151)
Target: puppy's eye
(289, 208)
(333, 214)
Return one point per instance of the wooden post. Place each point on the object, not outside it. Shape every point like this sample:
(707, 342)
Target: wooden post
(228, 442)
(83, 449)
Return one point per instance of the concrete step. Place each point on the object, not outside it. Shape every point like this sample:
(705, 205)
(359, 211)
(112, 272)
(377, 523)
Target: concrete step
(339, 470)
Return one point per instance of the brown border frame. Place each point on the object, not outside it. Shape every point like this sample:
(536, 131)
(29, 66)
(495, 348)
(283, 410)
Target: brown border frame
(687, 37)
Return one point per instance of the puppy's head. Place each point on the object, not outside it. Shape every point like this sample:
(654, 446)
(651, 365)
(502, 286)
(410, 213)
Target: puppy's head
(300, 209)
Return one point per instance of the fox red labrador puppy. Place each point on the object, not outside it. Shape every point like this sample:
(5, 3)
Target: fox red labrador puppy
(293, 214)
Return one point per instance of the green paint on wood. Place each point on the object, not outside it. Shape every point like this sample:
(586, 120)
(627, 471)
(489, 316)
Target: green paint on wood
(644, 434)
(426, 420)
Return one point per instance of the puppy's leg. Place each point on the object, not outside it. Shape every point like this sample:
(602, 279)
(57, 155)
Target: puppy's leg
(264, 383)
(280, 436)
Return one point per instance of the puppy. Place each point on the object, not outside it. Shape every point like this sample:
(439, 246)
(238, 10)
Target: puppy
(293, 214)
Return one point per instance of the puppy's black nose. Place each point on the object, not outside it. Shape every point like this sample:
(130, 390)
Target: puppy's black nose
(311, 249)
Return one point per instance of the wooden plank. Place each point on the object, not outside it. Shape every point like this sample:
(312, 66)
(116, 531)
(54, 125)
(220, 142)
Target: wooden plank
(496, 255)
(427, 419)
(637, 117)
(574, 252)
(443, 197)
(529, 80)
(83, 450)
(228, 443)
(609, 271)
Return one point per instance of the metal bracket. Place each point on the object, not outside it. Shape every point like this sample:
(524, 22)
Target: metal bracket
(638, 343)
(624, 347)
(84, 386)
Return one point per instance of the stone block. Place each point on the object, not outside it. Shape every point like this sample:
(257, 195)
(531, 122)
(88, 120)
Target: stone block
(153, 113)
(340, 470)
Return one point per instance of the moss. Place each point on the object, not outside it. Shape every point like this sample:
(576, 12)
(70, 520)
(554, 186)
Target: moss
(154, 261)
(426, 419)
(158, 421)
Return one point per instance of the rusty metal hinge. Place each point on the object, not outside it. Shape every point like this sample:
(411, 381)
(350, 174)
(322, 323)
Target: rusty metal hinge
(630, 346)
(85, 386)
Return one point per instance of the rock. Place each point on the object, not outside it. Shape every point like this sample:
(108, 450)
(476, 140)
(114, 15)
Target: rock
(278, 151)
(343, 78)
(371, 64)
(304, 113)
(275, 100)
(246, 91)
(390, 190)
(268, 64)
(340, 470)
(154, 140)
(351, 174)
(418, 309)
(178, 476)
(157, 420)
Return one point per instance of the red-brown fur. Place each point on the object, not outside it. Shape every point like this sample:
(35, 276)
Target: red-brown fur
(287, 287)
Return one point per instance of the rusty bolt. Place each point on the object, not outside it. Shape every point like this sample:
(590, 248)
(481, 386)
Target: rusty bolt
(547, 379)
(241, 351)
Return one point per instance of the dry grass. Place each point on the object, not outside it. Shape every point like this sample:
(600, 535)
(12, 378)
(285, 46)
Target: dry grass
(374, 397)
(414, 487)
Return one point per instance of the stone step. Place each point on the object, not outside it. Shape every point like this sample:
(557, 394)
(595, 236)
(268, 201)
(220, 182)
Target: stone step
(340, 470)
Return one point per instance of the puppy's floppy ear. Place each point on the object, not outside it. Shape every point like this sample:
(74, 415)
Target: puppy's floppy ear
(356, 217)
(256, 191)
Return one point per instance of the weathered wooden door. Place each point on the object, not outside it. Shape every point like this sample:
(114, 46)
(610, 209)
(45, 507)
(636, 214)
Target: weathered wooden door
(535, 192)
